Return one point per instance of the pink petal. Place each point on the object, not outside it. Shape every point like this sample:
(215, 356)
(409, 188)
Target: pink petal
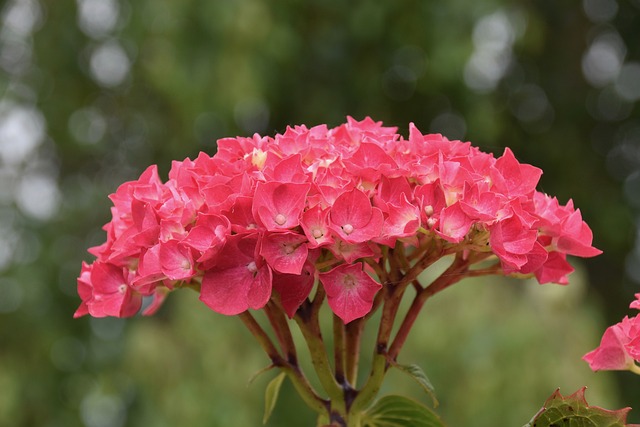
(454, 224)
(350, 291)
(611, 354)
(278, 206)
(315, 225)
(238, 281)
(285, 252)
(294, 288)
(176, 260)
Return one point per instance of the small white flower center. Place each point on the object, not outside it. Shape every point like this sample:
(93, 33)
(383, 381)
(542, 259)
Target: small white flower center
(317, 233)
(185, 265)
(252, 267)
(431, 222)
(428, 210)
(280, 219)
(122, 288)
(347, 228)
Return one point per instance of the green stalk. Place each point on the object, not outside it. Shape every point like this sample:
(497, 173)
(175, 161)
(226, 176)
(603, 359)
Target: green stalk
(307, 319)
(299, 381)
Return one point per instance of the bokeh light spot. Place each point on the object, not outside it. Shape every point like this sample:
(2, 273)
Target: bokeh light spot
(628, 82)
(109, 64)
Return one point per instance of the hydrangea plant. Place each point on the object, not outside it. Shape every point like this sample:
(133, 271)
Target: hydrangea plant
(351, 216)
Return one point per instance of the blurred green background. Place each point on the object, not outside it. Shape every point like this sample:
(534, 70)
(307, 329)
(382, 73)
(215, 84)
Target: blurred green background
(93, 91)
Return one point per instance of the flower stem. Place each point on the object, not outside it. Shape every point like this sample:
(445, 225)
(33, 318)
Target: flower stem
(339, 349)
(307, 319)
(262, 337)
(292, 370)
(281, 328)
(450, 276)
(353, 337)
(369, 391)
(304, 389)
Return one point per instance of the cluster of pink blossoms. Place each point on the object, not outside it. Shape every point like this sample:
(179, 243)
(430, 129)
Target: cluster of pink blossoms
(620, 345)
(275, 214)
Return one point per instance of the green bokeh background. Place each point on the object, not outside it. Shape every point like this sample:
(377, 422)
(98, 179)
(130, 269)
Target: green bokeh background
(93, 91)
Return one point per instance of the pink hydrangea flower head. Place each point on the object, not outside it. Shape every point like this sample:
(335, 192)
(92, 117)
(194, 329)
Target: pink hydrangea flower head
(277, 212)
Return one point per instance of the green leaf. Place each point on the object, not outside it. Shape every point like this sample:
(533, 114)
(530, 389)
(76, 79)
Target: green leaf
(573, 411)
(399, 411)
(416, 372)
(271, 395)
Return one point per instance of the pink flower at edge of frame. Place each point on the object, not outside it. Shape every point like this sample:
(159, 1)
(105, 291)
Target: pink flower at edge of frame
(636, 304)
(612, 353)
(350, 291)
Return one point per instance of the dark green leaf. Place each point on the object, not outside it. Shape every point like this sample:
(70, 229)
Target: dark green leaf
(399, 411)
(271, 395)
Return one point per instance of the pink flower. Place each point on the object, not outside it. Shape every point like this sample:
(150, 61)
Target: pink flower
(285, 252)
(111, 293)
(315, 224)
(294, 288)
(613, 352)
(240, 280)
(354, 219)
(278, 206)
(512, 242)
(350, 291)
(512, 178)
(454, 223)
(177, 260)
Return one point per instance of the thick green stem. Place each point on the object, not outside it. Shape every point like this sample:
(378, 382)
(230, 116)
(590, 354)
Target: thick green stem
(369, 391)
(309, 324)
(304, 389)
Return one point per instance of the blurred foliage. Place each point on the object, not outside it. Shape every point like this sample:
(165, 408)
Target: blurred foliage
(93, 91)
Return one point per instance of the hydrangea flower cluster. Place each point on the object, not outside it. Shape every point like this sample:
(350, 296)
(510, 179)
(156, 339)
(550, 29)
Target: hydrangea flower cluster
(277, 215)
(620, 345)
